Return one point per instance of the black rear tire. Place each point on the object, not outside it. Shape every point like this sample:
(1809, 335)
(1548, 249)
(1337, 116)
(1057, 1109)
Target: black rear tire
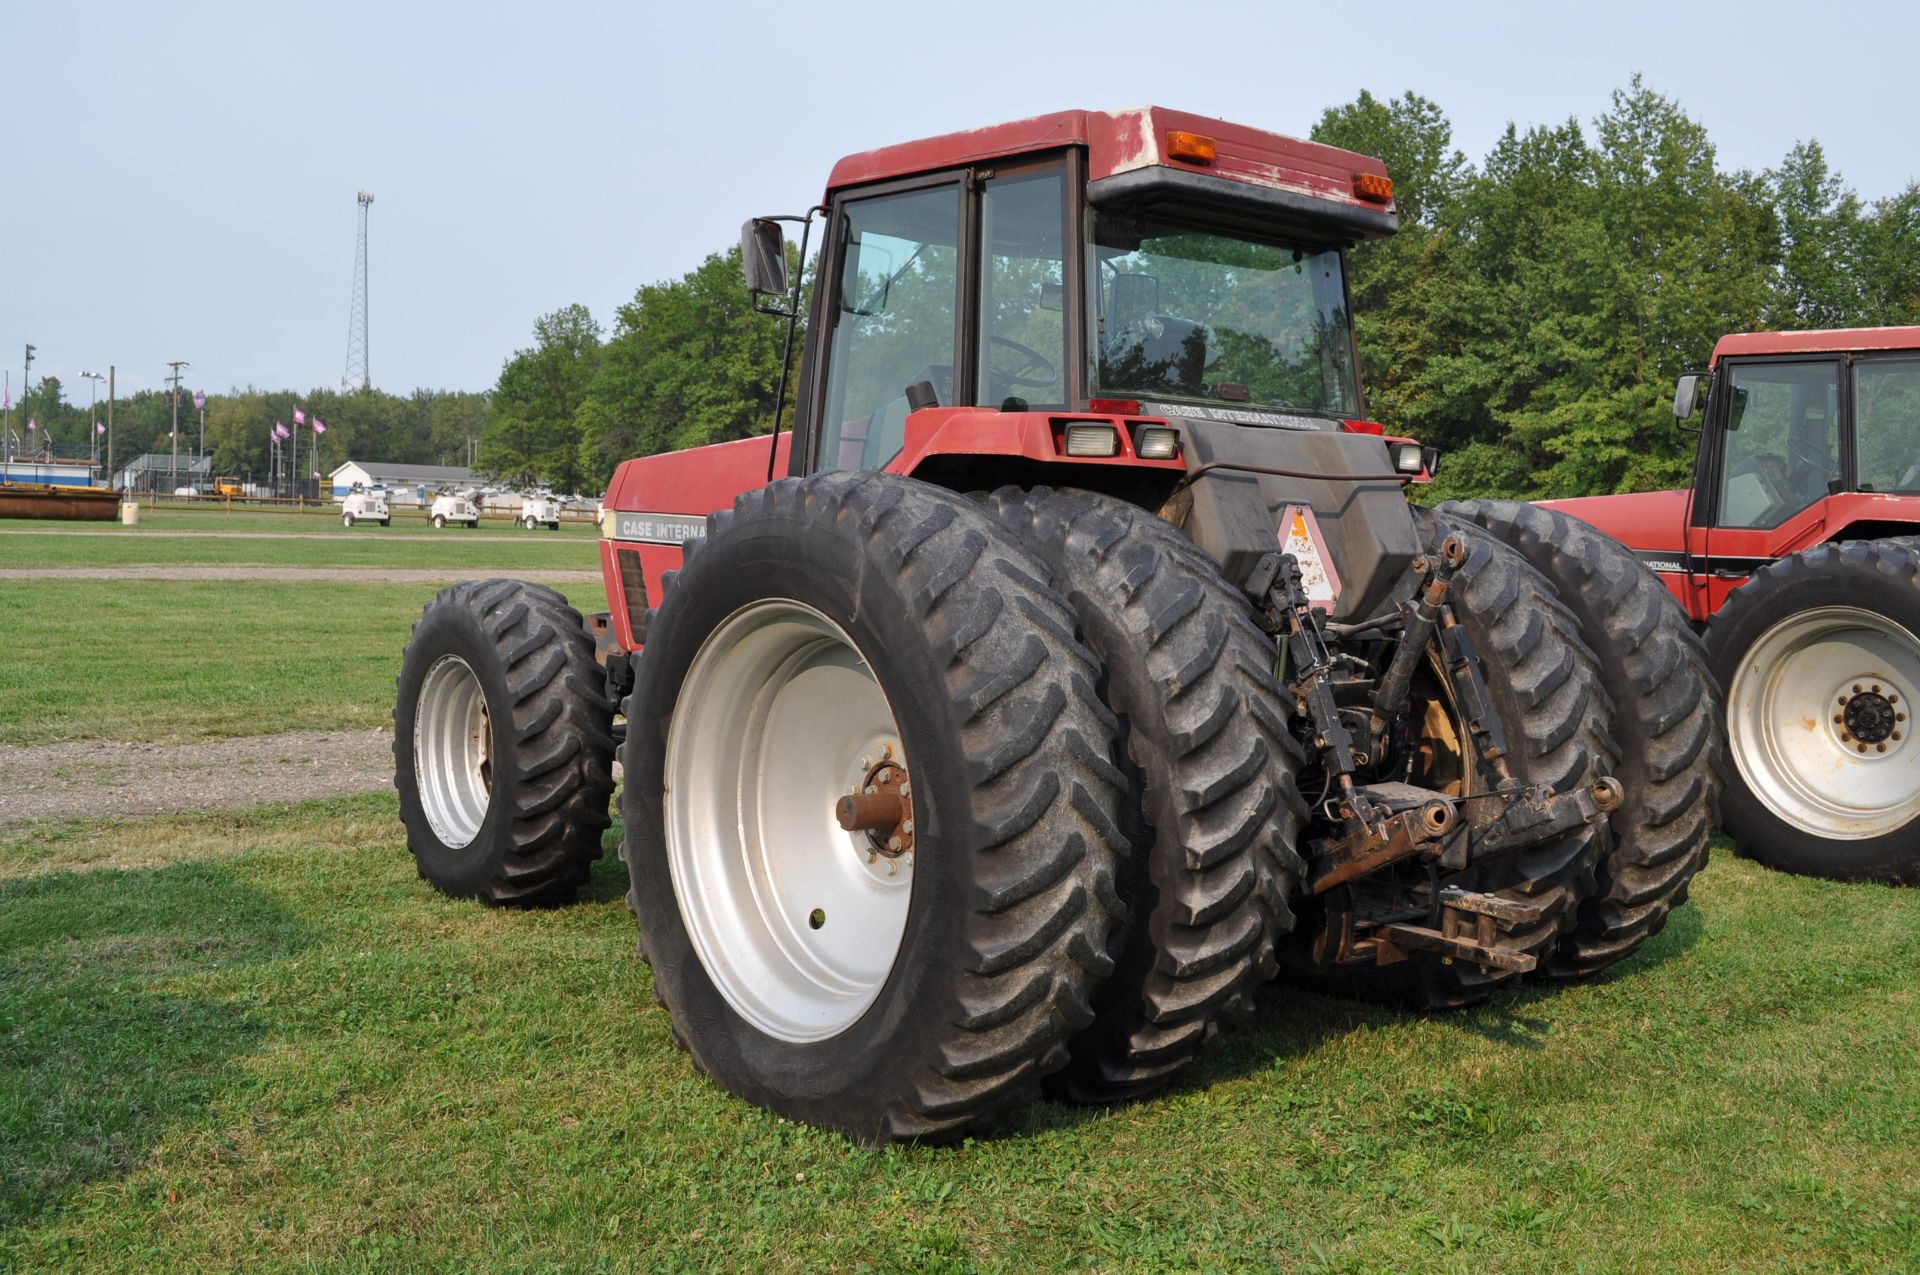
(1667, 723)
(551, 743)
(1016, 797)
(1545, 688)
(1872, 577)
(1218, 814)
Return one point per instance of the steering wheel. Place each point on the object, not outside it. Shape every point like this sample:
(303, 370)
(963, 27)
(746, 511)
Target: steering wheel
(1037, 373)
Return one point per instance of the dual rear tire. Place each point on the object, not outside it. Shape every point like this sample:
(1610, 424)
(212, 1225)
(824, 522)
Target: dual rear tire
(831, 637)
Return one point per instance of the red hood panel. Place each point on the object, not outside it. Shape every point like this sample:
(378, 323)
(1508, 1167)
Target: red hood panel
(1639, 520)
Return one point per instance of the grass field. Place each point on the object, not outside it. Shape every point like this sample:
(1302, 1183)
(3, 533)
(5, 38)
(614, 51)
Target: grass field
(453, 549)
(259, 1041)
(256, 1040)
(242, 518)
(159, 660)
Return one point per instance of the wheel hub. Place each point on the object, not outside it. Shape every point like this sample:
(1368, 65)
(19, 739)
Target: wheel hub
(1817, 715)
(1869, 718)
(881, 806)
(796, 916)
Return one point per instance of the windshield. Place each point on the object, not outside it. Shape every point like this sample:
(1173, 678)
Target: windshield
(1210, 316)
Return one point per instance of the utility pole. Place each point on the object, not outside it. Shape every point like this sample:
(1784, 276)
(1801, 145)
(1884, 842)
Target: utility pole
(109, 424)
(93, 417)
(174, 469)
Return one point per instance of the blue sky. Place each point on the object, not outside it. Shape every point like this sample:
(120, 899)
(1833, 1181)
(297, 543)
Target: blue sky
(181, 177)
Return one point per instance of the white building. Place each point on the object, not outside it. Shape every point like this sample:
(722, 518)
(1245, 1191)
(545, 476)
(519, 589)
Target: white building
(406, 484)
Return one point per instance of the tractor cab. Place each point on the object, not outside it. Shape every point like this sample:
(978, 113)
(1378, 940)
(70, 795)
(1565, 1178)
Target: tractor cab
(1127, 265)
(1805, 438)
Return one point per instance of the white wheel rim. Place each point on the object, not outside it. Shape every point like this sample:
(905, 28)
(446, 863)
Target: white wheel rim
(1819, 716)
(453, 751)
(797, 921)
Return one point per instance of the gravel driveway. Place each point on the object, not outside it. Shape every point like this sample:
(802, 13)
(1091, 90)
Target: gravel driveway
(103, 779)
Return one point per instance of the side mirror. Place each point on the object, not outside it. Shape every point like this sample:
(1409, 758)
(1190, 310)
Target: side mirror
(1686, 396)
(763, 257)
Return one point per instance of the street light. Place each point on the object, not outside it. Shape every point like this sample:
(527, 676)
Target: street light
(93, 419)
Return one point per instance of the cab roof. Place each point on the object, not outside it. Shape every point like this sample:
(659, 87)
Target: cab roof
(1819, 341)
(1119, 142)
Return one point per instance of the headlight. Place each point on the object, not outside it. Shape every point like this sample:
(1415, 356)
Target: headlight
(1407, 458)
(1092, 440)
(1156, 442)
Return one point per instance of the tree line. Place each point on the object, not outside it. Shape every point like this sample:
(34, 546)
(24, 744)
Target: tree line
(1529, 318)
(1533, 312)
(428, 427)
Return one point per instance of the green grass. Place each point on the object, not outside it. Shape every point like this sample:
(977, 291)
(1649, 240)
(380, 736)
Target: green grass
(158, 660)
(260, 1041)
(214, 517)
(455, 549)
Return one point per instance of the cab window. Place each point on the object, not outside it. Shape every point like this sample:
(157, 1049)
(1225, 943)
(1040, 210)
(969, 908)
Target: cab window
(893, 321)
(1023, 313)
(1886, 424)
(1782, 441)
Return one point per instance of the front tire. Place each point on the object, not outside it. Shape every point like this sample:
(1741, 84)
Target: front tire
(826, 626)
(346, 520)
(1666, 723)
(1820, 657)
(1212, 765)
(503, 744)
(439, 521)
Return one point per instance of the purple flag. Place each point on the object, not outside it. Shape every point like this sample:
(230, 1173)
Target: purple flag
(299, 417)
(318, 428)
(32, 425)
(98, 428)
(199, 401)
(280, 430)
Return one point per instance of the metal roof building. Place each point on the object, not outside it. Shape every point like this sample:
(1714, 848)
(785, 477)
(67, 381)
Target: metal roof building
(405, 483)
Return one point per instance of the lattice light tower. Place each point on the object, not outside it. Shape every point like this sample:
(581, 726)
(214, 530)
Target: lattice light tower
(356, 374)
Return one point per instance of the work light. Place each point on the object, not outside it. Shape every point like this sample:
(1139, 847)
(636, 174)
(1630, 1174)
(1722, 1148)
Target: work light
(1092, 440)
(1156, 442)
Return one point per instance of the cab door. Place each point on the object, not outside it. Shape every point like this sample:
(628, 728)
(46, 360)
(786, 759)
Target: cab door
(1780, 459)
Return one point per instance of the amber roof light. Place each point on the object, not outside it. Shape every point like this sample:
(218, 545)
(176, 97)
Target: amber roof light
(1373, 187)
(1195, 148)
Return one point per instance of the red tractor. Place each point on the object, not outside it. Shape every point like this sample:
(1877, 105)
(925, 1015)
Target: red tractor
(1798, 549)
(1086, 666)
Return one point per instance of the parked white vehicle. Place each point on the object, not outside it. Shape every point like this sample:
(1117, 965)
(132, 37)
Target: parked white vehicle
(540, 511)
(455, 506)
(364, 504)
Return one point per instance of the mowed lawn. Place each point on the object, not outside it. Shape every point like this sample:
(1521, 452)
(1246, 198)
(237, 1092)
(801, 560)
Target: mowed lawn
(180, 660)
(260, 1041)
(455, 549)
(213, 516)
(256, 1040)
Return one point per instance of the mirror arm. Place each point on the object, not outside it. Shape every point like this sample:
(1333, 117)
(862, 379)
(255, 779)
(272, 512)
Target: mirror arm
(792, 316)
